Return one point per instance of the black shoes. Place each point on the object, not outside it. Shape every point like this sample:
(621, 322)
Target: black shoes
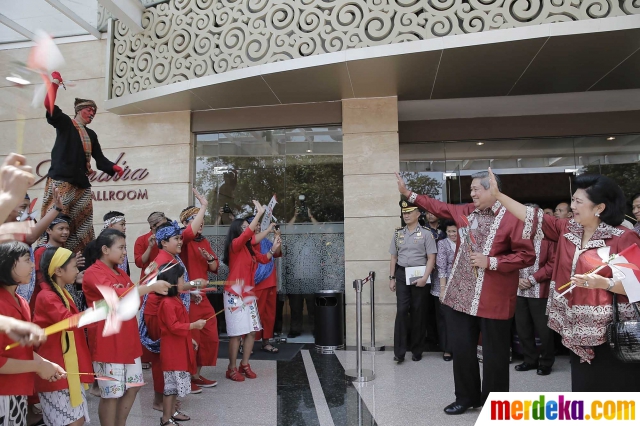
(447, 357)
(398, 359)
(456, 408)
(525, 367)
(544, 370)
(417, 357)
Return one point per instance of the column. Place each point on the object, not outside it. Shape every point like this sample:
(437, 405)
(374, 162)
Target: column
(371, 211)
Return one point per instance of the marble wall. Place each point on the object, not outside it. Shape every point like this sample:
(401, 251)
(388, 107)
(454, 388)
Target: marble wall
(158, 146)
(371, 212)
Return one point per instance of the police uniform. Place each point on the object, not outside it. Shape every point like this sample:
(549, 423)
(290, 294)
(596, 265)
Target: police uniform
(412, 249)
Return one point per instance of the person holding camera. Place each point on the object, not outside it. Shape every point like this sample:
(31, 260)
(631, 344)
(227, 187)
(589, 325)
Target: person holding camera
(306, 268)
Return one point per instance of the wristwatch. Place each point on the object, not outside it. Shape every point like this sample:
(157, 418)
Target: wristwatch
(611, 284)
(58, 209)
(272, 252)
(391, 277)
(209, 262)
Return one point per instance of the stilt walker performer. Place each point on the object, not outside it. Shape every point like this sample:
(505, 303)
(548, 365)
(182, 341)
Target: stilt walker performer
(71, 165)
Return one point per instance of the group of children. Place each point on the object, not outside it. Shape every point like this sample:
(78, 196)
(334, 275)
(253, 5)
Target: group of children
(176, 332)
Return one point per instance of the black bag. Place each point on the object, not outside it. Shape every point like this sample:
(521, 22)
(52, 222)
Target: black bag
(624, 336)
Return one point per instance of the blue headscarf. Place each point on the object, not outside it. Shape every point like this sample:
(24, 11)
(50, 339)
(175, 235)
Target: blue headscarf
(166, 232)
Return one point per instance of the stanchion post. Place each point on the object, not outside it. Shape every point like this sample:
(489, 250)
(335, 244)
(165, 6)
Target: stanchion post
(359, 374)
(373, 347)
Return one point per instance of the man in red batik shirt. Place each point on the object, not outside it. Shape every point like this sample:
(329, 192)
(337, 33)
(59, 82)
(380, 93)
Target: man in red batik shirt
(480, 296)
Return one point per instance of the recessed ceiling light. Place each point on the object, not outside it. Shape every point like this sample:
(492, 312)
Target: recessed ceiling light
(610, 138)
(18, 80)
(480, 143)
(309, 150)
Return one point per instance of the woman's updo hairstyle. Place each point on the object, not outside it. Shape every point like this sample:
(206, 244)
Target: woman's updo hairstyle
(603, 190)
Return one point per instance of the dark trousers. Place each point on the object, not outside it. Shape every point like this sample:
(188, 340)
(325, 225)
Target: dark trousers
(277, 327)
(530, 316)
(605, 373)
(463, 332)
(411, 301)
(442, 326)
(431, 319)
(296, 303)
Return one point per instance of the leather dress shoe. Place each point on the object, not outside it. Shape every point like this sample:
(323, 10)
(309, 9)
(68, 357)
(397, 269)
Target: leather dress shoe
(447, 357)
(457, 408)
(417, 357)
(543, 370)
(398, 359)
(525, 367)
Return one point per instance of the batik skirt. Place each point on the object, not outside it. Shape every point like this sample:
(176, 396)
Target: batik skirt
(78, 205)
(57, 409)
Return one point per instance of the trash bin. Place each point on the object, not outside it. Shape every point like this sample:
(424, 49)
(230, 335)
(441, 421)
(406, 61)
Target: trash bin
(329, 321)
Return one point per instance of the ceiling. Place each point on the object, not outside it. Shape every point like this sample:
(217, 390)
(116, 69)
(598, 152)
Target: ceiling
(537, 60)
(40, 15)
(44, 15)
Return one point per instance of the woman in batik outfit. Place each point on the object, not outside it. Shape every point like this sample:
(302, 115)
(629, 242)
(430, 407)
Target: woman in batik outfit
(581, 316)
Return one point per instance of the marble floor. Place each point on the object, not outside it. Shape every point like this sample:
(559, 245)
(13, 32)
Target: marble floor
(311, 390)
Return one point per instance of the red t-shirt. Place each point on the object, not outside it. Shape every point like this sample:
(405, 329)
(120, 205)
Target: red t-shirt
(176, 353)
(164, 257)
(242, 266)
(121, 348)
(142, 243)
(51, 310)
(15, 384)
(195, 263)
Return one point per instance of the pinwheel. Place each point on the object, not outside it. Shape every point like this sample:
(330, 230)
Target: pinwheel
(113, 309)
(28, 213)
(244, 292)
(44, 58)
(622, 266)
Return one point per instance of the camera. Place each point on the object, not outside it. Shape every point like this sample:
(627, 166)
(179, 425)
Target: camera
(277, 227)
(302, 210)
(226, 208)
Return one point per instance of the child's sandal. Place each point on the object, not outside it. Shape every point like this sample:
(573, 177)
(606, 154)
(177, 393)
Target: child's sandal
(180, 413)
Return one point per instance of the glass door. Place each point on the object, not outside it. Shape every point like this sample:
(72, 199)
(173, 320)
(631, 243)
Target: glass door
(454, 187)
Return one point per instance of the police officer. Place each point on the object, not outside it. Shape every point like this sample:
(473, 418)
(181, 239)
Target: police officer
(411, 246)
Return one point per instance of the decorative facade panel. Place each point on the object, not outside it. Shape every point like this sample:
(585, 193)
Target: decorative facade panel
(186, 39)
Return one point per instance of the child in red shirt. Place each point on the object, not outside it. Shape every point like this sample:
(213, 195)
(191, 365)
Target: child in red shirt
(57, 235)
(176, 354)
(199, 259)
(17, 365)
(242, 315)
(63, 402)
(116, 356)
